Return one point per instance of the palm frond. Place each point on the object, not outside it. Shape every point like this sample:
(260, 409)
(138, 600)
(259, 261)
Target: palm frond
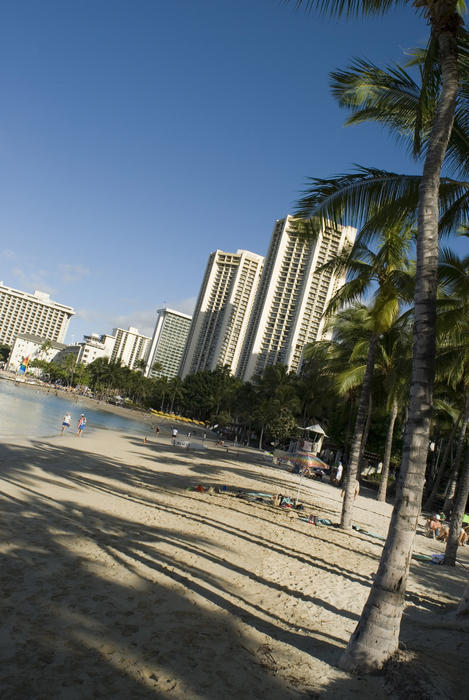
(349, 8)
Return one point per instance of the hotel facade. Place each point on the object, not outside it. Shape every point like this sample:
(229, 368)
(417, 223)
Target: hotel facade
(168, 343)
(35, 314)
(222, 312)
(130, 346)
(291, 298)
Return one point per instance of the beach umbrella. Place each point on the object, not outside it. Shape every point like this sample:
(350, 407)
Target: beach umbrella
(306, 461)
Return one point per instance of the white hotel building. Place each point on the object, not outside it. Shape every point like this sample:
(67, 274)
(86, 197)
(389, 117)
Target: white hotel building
(168, 343)
(291, 298)
(130, 346)
(222, 311)
(34, 314)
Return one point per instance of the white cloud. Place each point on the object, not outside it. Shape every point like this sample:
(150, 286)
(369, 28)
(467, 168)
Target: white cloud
(143, 320)
(73, 273)
(33, 280)
(185, 306)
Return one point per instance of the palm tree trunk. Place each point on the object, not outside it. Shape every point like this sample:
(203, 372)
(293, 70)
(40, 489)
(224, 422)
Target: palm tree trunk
(376, 636)
(348, 431)
(441, 469)
(458, 513)
(366, 433)
(261, 436)
(451, 488)
(463, 607)
(355, 450)
(383, 484)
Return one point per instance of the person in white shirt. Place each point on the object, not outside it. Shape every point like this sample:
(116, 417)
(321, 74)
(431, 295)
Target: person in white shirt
(67, 419)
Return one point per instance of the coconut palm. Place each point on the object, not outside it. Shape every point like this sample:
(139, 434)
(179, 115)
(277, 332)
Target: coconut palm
(449, 410)
(459, 508)
(387, 267)
(276, 398)
(394, 353)
(376, 637)
(454, 356)
(453, 349)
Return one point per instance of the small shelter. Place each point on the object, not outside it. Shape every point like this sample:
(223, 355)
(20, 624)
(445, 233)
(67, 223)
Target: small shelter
(310, 441)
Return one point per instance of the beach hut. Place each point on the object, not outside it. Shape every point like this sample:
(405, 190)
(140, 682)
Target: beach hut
(311, 439)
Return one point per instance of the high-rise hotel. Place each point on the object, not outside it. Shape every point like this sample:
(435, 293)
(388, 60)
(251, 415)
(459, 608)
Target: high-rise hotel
(168, 343)
(292, 297)
(222, 311)
(35, 314)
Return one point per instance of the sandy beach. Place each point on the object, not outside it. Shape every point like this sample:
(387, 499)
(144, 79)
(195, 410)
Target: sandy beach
(119, 582)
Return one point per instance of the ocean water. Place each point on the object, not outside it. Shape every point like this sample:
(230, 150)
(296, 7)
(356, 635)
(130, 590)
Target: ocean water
(27, 412)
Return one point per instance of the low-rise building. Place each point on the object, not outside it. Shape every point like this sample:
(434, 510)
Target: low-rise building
(95, 346)
(28, 347)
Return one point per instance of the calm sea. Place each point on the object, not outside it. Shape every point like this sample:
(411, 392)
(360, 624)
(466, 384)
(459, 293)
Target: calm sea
(25, 411)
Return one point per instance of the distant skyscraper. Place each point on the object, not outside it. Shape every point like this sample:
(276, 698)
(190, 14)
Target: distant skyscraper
(35, 314)
(168, 343)
(291, 298)
(222, 312)
(130, 346)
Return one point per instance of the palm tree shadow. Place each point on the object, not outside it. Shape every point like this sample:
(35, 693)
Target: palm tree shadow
(99, 604)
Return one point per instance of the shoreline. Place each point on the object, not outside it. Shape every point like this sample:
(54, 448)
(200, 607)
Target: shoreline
(138, 414)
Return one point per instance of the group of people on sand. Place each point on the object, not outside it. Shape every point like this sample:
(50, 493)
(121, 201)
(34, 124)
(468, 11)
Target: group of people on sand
(437, 528)
(67, 421)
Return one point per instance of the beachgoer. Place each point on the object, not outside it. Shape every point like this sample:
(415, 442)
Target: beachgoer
(339, 472)
(356, 489)
(157, 430)
(81, 425)
(174, 433)
(67, 419)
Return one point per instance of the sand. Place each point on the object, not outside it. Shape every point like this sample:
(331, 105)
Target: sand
(118, 582)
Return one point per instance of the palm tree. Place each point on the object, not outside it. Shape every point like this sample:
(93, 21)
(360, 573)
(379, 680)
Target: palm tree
(45, 349)
(458, 513)
(387, 267)
(69, 363)
(139, 365)
(447, 417)
(176, 388)
(276, 397)
(393, 362)
(454, 355)
(376, 637)
(453, 350)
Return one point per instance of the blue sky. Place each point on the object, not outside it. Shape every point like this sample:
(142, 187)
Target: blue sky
(138, 136)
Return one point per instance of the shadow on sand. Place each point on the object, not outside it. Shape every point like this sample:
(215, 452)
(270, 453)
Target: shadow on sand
(98, 605)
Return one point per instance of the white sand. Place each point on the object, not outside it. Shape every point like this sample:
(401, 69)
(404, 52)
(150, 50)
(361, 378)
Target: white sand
(119, 583)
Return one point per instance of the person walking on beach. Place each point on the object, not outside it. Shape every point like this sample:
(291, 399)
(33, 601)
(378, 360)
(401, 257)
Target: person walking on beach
(67, 419)
(157, 431)
(81, 425)
(356, 489)
(174, 433)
